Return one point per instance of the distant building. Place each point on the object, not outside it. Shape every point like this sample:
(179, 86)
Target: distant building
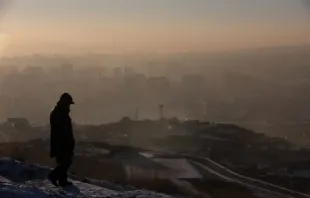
(158, 84)
(10, 70)
(54, 73)
(194, 96)
(31, 75)
(128, 71)
(193, 82)
(18, 122)
(33, 70)
(117, 72)
(91, 73)
(66, 71)
(135, 81)
(102, 71)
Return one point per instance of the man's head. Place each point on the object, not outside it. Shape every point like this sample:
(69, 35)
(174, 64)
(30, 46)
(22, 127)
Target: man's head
(66, 99)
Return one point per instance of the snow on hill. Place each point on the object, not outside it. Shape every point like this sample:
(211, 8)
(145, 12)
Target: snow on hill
(21, 180)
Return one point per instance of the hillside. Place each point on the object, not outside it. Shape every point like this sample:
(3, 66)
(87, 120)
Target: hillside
(177, 158)
(20, 180)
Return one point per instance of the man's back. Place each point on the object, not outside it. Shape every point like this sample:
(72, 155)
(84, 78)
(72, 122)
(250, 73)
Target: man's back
(62, 140)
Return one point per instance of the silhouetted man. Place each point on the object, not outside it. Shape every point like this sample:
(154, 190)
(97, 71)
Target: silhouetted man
(62, 140)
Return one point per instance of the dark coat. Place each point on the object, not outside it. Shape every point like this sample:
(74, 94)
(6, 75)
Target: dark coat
(62, 140)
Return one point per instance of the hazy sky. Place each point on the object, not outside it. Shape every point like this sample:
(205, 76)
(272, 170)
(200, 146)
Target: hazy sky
(77, 26)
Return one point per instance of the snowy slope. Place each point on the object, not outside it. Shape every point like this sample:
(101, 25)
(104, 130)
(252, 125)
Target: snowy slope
(21, 180)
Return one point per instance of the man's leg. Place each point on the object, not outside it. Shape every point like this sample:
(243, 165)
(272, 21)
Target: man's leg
(65, 164)
(54, 175)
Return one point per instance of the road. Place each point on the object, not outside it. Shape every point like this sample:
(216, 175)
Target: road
(229, 175)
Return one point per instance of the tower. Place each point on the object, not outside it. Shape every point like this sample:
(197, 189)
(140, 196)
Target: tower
(161, 111)
(137, 113)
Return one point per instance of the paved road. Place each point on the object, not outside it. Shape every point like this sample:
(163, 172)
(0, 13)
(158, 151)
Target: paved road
(228, 175)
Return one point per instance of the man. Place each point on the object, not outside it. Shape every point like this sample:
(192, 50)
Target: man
(62, 140)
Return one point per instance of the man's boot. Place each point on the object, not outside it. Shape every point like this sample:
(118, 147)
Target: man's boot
(64, 183)
(52, 178)
(64, 180)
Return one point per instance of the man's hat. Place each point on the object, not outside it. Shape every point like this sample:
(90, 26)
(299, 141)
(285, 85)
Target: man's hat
(66, 98)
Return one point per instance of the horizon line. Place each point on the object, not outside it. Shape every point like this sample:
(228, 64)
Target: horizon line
(141, 52)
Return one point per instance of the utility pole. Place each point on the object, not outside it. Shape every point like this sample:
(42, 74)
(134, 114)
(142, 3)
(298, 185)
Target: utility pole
(137, 114)
(204, 110)
(161, 111)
